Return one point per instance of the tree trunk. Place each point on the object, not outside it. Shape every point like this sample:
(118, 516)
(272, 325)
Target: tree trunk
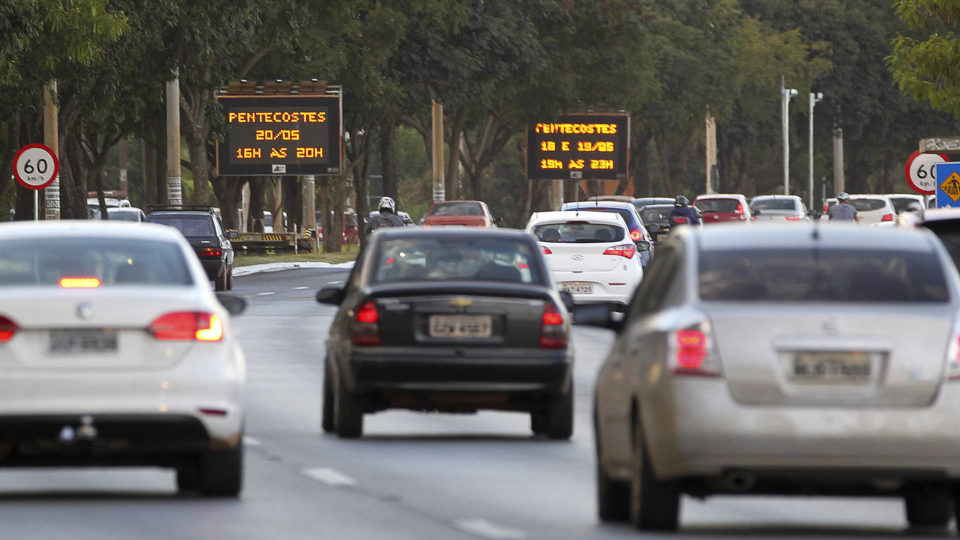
(638, 164)
(387, 163)
(452, 174)
(292, 202)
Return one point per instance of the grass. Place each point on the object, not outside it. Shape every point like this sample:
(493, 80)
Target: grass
(349, 253)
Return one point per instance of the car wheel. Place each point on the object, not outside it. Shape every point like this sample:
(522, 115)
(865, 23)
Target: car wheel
(326, 408)
(188, 476)
(928, 506)
(220, 282)
(559, 417)
(654, 505)
(538, 422)
(347, 413)
(613, 497)
(221, 472)
(230, 279)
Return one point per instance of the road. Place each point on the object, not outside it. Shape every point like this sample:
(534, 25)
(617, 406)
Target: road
(412, 475)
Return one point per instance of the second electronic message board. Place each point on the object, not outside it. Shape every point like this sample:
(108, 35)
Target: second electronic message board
(275, 135)
(579, 146)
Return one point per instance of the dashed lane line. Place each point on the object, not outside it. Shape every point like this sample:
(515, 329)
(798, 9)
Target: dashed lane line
(265, 293)
(487, 529)
(250, 441)
(329, 476)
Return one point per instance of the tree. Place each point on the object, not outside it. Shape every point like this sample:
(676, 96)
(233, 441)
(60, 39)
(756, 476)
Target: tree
(926, 69)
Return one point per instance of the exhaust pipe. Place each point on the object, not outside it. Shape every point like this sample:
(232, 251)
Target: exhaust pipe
(738, 481)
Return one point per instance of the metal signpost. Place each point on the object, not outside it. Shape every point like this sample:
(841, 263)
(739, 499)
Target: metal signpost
(35, 166)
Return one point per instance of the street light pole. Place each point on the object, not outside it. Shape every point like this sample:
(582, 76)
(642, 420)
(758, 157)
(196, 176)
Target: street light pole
(814, 98)
(785, 95)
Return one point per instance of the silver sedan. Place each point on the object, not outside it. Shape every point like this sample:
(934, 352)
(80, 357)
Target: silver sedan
(787, 359)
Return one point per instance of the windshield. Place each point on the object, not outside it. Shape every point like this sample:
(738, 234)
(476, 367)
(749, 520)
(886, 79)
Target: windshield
(457, 209)
(112, 261)
(189, 226)
(773, 204)
(727, 206)
(460, 260)
(579, 232)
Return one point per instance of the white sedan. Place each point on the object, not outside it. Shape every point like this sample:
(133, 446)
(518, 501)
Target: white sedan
(116, 351)
(590, 254)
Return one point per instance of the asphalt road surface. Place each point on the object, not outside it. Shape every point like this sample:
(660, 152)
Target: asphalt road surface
(412, 475)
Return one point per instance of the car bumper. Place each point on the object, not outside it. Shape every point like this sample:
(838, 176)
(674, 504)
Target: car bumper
(695, 428)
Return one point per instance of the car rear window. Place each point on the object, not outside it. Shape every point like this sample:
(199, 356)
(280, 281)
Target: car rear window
(901, 204)
(456, 209)
(189, 226)
(43, 262)
(431, 259)
(728, 206)
(865, 205)
(581, 232)
(948, 231)
(656, 214)
(822, 275)
(626, 213)
(774, 204)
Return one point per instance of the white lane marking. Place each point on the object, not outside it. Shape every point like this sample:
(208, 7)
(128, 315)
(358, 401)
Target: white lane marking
(329, 476)
(300, 288)
(250, 441)
(336, 283)
(266, 293)
(487, 529)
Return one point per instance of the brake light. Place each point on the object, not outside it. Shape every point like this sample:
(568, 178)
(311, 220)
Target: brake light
(635, 235)
(953, 358)
(7, 329)
(546, 250)
(187, 326)
(79, 283)
(553, 334)
(691, 352)
(887, 217)
(365, 329)
(680, 219)
(209, 252)
(623, 250)
(739, 208)
(793, 218)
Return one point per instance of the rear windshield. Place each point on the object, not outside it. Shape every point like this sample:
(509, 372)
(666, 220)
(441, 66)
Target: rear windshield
(825, 275)
(431, 259)
(625, 213)
(189, 226)
(113, 261)
(457, 209)
(948, 231)
(865, 205)
(774, 204)
(579, 232)
(658, 214)
(728, 206)
(901, 204)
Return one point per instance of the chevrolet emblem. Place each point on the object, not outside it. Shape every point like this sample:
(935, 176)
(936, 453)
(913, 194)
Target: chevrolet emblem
(460, 302)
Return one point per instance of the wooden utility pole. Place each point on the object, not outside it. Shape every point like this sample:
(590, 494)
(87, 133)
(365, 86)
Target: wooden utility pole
(174, 185)
(711, 144)
(51, 138)
(436, 134)
(122, 151)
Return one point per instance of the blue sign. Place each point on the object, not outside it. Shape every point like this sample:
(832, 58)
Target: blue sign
(948, 184)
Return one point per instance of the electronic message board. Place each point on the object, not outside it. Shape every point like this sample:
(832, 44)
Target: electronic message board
(579, 146)
(280, 135)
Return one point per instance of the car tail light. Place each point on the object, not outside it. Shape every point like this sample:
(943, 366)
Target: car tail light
(679, 219)
(79, 283)
(187, 326)
(953, 357)
(623, 250)
(7, 329)
(793, 218)
(691, 352)
(365, 329)
(739, 209)
(636, 235)
(209, 252)
(553, 334)
(546, 250)
(887, 217)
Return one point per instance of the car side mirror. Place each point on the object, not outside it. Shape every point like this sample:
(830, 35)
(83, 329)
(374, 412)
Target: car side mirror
(332, 294)
(643, 245)
(233, 235)
(235, 305)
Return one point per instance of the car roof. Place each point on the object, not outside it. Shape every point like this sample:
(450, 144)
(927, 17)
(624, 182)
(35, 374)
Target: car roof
(807, 235)
(564, 216)
(941, 214)
(598, 204)
(77, 227)
(792, 197)
(720, 196)
(452, 233)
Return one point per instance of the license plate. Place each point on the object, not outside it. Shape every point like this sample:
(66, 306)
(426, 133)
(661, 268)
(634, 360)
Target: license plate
(832, 366)
(458, 326)
(577, 287)
(82, 341)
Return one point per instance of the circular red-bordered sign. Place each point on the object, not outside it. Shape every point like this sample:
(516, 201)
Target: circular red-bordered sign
(921, 171)
(35, 166)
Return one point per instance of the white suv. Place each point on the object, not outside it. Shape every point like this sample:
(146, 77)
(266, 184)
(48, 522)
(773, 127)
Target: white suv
(590, 255)
(871, 209)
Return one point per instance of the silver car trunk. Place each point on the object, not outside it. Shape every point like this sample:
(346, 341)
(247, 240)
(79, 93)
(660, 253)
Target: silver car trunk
(831, 355)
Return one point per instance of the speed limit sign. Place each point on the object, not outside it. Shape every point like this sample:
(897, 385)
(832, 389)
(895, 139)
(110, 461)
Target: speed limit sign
(921, 171)
(35, 166)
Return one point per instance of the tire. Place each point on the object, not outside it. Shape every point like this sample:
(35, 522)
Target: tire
(347, 413)
(613, 497)
(221, 472)
(538, 423)
(326, 407)
(230, 279)
(188, 476)
(928, 506)
(220, 282)
(558, 420)
(654, 504)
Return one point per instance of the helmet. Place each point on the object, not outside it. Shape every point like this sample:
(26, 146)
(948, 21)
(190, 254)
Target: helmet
(387, 203)
(681, 201)
(843, 196)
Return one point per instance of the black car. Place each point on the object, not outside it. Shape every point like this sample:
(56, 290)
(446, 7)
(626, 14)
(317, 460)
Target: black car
(449, 320)
(656, 217)
(203, 229)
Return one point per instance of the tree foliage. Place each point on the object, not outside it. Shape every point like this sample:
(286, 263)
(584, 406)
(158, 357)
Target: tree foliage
(928, 69)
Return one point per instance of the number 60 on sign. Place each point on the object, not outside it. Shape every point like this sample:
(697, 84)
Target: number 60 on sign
(35, 166)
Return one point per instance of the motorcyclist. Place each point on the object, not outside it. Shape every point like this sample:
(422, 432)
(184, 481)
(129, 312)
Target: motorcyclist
(684, 213)
(387, 217)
